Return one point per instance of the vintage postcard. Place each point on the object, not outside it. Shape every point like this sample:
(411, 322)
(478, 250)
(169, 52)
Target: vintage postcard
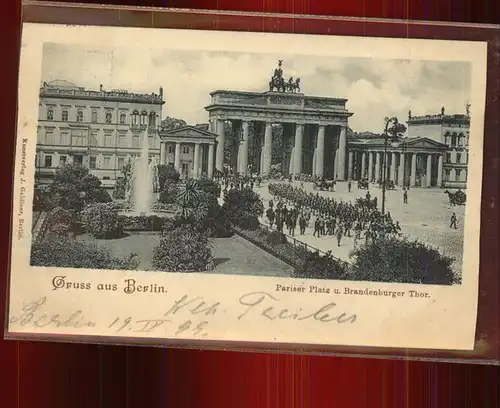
(225, 186)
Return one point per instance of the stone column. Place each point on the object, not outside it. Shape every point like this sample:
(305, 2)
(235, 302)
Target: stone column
(210, 168)
(320, 151)
(163, 152)
(243, 152)
(392, 171)
(342, 153)
(370, 166)
(363, 164)
(177, 159)
(413, 174)
(428, 174)
(349, 173)
(297, 156)
(196, 161)
(377, 166)
(440, 171)
(219, 160)
(267, 149)
(402, 165)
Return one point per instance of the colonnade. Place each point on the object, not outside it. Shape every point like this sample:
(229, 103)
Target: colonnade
(296, 154)
(369, 165)
(197, 162)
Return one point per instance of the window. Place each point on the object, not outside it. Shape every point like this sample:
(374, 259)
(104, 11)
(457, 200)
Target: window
(107, 162)
(144, 118)
(93, 139)
(185, 149)
(79, 116)
(458, 172)
(170, 148)
(151, 141)
(123, 118)
(48, 160)
(93, 162)
(448, 157)
(121, 162)
(152, 119)
(108, 116)
(95, 116)
(106, 178)
(136, 141)
(108, 140)
(50, 114)
(459, 157)
(447, 175)
(78, 139)
(122, 139)
(135, 118)
(454, 140)
(78, 159)
(64, 115)
(62, 160)
(49, 137)
(65, 138)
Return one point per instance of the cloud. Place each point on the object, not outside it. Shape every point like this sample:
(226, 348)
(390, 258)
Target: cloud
(375, 88)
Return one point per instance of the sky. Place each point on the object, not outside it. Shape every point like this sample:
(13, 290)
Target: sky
(375, 88)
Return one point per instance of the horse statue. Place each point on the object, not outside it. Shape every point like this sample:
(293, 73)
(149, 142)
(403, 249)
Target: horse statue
(293, 86)
(278, 83)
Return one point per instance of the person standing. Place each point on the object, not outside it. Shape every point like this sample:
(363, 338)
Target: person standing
(349, 185)
(405, 196)
(339, 234)
(302, 224)
(453, 221)
(270, 216)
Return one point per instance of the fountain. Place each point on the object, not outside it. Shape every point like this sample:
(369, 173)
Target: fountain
(140, 192)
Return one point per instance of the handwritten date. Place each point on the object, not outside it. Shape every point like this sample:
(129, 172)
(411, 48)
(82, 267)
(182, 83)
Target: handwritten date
(128, 324)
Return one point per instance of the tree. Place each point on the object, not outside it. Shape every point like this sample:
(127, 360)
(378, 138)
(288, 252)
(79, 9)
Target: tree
(243, 208)
(192, 201)
(170, 123)
(74, 187)
(183, 249)
(123, 184)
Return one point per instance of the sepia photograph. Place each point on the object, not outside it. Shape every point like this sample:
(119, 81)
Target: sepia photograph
(302, 167)
(314, 190)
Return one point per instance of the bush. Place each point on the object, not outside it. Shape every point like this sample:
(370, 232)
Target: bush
(60, 221)
(167, 173)
(183, 249)
(102, 220)
(276, 238)
(143, 222)
(317, 266)
(210, 187)
(63, 252)
(403, 261)
(243, 207)
(168, 194)
(119, 190)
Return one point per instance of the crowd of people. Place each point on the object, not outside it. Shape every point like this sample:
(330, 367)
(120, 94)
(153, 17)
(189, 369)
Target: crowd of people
(327, 216)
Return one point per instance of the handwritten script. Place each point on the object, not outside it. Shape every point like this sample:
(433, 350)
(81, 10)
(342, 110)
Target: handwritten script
(186, 316)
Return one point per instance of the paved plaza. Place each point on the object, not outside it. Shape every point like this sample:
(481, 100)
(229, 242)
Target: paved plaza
(426, 217)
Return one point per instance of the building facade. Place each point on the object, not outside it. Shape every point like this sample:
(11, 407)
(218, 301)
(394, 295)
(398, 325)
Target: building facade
(189, 149)
(98, 129)
(435, 153)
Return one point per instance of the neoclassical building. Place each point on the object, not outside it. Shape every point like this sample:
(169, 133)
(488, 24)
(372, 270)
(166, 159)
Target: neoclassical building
(100, 129)
(314, 129)
(435, 153)
(189, 149)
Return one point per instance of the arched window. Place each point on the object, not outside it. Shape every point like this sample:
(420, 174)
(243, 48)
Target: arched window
(50, 114)
(79, 116)
(152, 119)
(108, 116)
(64, 115)
(95, 116)
(123, 118)
(453, 140)
(144, 118)
(135, 118)
(447, 138)
(461, 139)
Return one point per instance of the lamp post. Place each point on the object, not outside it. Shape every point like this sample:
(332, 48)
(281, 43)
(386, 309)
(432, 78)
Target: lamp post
(394, 143)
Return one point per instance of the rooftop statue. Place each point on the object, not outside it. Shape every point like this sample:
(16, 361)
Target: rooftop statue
(279, 84)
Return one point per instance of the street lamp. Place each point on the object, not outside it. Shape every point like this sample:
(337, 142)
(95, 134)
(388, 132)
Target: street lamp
(395, 144)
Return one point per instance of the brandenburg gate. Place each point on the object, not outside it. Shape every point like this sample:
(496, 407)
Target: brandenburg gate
(314, 129)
